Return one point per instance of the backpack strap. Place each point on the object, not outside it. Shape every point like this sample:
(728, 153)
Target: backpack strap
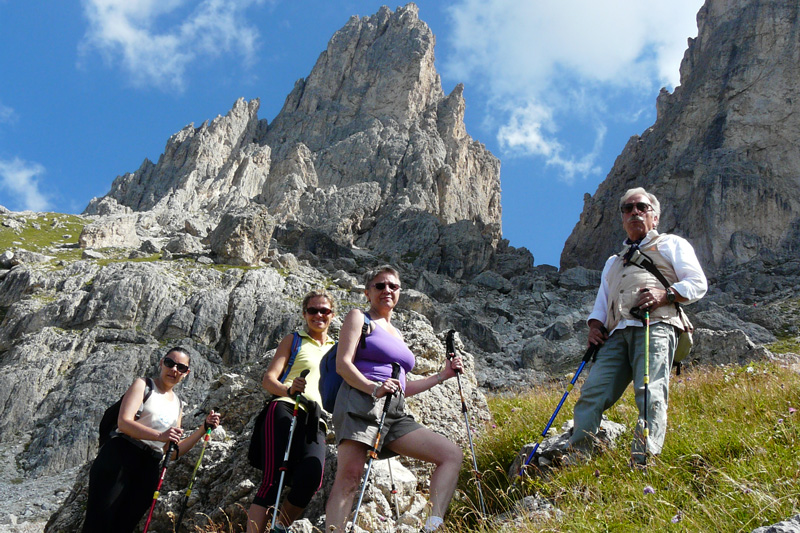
(365, 331)
(148, 388)
(297, 340)
(637, 257)
(642, 260)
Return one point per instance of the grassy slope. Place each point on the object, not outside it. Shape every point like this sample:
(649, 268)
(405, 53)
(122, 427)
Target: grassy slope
(730, 460)
(42, 231)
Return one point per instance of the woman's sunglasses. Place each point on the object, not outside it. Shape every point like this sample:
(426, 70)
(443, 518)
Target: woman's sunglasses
(381, 285)
(640, 206)
(170, 363)
(324, 311)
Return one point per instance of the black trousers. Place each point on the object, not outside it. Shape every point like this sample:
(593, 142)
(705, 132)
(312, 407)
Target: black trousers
(122, 481)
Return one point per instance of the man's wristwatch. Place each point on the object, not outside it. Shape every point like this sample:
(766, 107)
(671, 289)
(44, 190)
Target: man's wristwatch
(670, 295)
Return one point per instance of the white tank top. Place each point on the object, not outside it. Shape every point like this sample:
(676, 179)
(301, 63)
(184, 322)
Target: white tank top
(159, 413)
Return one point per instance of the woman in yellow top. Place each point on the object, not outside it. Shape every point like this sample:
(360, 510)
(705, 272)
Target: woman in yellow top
(307, 455)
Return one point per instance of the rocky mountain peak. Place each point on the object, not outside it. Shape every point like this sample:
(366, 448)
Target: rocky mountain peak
(722, 154)
(380, 66)
(367, 145)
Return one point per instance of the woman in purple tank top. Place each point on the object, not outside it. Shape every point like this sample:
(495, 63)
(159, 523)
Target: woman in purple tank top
(367, 368)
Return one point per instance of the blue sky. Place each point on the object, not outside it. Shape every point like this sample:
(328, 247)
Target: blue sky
(90, 88)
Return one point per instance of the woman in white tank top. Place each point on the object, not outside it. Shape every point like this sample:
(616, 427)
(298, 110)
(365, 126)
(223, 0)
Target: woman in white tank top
(125, 472)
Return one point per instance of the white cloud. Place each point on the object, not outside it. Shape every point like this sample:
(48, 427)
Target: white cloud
(7, 114)
(542, 64)
(19, 178)
(156, 40)
(530, 130)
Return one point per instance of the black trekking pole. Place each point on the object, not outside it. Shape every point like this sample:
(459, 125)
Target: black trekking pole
(157, 493)
(206, 438)
(451, 352)
(372, 453)
(285, 464)
(590, 352)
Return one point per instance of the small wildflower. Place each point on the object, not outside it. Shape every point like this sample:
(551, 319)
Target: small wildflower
(649, 490)
(677, 518)
(597, 473)
(494, 426)
(792, 410)
(719, 421)
(780, 421)
(747, 490)
(513, 409)
(750, 370)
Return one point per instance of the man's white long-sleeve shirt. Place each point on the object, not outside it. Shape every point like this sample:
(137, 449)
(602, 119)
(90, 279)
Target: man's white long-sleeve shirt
(691, 284)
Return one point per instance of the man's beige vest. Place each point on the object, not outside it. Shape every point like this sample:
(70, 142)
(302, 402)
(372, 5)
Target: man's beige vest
(626, 281)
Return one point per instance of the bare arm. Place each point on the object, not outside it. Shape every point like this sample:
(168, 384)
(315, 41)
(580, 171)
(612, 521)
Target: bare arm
(349, 336)
(271, 382)
(451, 367)
(211, 421)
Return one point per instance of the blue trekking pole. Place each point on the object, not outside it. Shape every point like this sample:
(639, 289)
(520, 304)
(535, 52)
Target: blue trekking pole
(590, 352)
(285, 464)
(372, 453)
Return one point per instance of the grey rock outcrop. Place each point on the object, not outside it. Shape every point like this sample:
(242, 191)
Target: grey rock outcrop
(791, 525)
(721, 155)
(110, 232)
(243, 236)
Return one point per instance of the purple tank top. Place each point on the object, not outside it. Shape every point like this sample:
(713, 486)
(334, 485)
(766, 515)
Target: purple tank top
(383, 348)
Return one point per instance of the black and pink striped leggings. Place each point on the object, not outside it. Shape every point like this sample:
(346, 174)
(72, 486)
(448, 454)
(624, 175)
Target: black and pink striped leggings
(306, 459)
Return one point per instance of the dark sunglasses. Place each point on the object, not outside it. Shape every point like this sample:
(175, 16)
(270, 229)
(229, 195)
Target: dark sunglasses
(324, 311)
(640, 206)
(170, 363)
(382, 285)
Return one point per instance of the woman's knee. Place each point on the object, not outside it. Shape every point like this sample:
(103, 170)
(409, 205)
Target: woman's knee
(456, 454)
(449, 453)
(348, 476)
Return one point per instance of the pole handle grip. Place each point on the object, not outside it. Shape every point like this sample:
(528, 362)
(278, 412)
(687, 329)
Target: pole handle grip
(450, 346)
(591, 351)
(395, 375)
(297, 395)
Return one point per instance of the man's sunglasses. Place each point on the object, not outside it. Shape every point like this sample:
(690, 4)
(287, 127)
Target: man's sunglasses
(324, 311)
(170, 363)
(381, 285)
(640, 206)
